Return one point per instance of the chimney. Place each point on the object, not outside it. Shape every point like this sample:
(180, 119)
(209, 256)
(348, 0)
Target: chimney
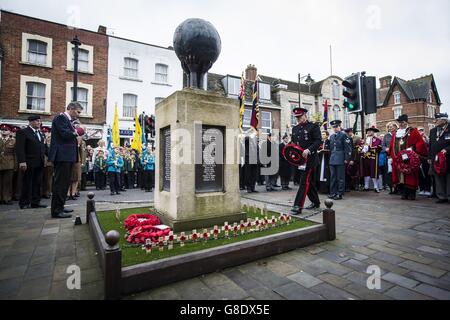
(102, 29)
(251, 72)
(385, 82)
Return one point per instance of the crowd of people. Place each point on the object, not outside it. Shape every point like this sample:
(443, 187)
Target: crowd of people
(56, 163)
(40, 162)
(341, 162)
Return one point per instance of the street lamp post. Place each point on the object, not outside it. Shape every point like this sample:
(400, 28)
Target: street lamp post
(309, 80)
(77, 44)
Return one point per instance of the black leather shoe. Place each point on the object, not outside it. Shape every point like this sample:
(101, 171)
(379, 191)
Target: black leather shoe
(68, 210)
(23, 207)
(39, 206)
(296, 210)
(270, 189)
(331, 196)
(339, 197)
(117, 192)
(112, 193)
(63, 215)
(313, 206)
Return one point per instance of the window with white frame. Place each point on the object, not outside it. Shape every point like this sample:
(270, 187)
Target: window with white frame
(161, 73)
(129, 105)
(247, 119)
(266, 121)
(336, 90)
(264, 91)
(82, 98)
(234, 86)
(431, 111)
(35, 96)
(131, 68)
(397, 96)
(336, 112)
(397, 112)
(158, 100)
(430, 96)
(85, 58)
(37, 50)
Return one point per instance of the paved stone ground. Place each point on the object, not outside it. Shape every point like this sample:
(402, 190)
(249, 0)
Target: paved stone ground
(409, 241)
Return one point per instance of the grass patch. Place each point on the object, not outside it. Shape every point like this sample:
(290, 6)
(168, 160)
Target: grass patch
(132, 255)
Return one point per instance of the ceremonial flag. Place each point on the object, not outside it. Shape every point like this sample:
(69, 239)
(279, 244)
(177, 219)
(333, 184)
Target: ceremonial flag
(242, 101)
(115, 128)
(254, 122)
(325, 115)
(143, 138)
(109, 140)
(137, 138)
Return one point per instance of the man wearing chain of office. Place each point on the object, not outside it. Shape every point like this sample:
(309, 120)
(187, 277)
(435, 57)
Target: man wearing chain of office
(307, 136)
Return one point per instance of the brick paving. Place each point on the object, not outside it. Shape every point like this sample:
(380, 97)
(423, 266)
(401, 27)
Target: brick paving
(409, 241)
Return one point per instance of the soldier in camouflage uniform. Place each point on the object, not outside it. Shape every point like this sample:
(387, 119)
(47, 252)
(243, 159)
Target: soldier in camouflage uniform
(7, 163)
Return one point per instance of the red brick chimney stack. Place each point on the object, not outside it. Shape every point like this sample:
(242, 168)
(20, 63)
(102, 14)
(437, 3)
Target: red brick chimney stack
(385, 82)
(251, 72)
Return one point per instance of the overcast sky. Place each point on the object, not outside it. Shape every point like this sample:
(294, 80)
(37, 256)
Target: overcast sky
(405, 38)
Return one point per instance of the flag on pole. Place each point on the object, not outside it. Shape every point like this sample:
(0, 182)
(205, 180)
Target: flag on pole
(137, 138)
(115, 128)
(143, 138)
(254, 122)
(325, 115)
(242, 101)
(109, 142)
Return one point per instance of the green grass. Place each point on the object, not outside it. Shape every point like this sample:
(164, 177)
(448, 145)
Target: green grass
(132, 255)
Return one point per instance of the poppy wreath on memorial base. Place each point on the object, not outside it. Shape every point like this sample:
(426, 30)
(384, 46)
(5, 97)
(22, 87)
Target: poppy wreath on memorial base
(294, 154)
(139, 235)
(138, 220)
(440, 166)
(411, 165)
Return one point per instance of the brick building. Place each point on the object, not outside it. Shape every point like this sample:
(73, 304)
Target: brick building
(418, 98)
(37, 71)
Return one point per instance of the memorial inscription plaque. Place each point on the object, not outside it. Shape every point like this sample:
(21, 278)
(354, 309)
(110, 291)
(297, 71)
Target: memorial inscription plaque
(165, 155)
(209, 168)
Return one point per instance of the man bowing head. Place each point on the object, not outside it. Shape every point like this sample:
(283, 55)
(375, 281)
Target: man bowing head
(64, 153)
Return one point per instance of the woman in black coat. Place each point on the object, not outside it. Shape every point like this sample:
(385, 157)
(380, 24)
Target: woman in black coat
(285, 166)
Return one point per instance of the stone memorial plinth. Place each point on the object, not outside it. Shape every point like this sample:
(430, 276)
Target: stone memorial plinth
(197, 167)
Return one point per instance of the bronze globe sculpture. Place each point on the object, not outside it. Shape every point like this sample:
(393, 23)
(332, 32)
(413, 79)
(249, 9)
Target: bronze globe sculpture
(197, 44)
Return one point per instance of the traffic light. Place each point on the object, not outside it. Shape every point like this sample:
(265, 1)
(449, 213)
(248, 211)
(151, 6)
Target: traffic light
(152, 126)
(353, 93)
(370, 95)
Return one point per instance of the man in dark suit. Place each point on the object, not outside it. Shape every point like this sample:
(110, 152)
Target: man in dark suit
(30, 151)
(64, 153)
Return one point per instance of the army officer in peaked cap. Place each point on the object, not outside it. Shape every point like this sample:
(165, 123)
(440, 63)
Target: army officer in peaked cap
(307, 136)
